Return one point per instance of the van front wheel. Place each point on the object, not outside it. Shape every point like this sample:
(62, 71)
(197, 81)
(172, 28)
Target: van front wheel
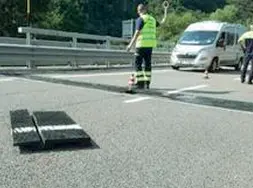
(213, 66)
(175, 67)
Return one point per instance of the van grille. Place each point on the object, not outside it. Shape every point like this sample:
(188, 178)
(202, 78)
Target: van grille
(187, 56)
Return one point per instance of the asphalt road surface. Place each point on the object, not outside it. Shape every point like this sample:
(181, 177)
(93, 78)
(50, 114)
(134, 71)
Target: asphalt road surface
(186, 132)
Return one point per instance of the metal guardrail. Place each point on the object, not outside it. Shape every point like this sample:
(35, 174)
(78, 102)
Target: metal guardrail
(102, 42)
(40, 42)
(29, 31)
(31, 55)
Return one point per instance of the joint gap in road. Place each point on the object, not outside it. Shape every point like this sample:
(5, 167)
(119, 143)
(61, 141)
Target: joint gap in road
(177, 96)
(102, 74)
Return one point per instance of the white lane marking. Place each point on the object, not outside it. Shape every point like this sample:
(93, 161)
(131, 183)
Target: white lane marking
(7, 79)
(137, 99)
(186, 89)
(37, 81)
(47, 128)
(237, 79)
(101, 74)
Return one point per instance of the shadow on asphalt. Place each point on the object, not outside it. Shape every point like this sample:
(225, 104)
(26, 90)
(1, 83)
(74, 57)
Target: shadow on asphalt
(213, 102)
(60, 148)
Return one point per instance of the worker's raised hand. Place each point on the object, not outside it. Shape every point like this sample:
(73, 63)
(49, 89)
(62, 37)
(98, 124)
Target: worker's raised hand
(166, 5)
(128, 48)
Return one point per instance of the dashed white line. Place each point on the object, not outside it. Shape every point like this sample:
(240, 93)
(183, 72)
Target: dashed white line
(137, 99)
(102, 74)
(187, 89)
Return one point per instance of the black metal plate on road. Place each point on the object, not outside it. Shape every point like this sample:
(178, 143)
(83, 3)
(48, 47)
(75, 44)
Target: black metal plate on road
(23, 130)
(56, 127)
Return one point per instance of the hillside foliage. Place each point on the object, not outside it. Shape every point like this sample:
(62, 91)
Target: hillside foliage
(105, 17)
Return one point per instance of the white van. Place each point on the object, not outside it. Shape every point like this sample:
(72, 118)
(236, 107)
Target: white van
(209, 43)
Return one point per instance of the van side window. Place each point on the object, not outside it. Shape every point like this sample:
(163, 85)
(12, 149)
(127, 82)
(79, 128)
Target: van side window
(230, 39)
(222, 38)
(236, 38)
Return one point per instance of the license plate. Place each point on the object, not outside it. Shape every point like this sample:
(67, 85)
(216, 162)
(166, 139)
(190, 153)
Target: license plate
(185, 62)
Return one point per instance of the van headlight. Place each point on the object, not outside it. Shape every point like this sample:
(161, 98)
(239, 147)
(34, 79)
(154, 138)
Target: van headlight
(174, 53)
(203, 58)
(173, 57)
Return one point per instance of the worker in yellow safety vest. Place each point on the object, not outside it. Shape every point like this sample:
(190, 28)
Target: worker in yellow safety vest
(145, 40)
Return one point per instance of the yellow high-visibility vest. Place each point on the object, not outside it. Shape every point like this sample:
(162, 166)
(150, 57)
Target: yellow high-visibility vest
(147, 37)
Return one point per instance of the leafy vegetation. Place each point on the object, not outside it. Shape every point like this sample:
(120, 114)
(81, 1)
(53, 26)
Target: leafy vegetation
(105, 17)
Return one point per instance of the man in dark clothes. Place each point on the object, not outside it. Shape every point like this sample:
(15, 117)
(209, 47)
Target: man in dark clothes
(145, 39)
(246, 42)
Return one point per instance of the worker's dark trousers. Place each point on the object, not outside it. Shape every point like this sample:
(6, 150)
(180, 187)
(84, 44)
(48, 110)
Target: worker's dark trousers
(247, 59)
(143, 76)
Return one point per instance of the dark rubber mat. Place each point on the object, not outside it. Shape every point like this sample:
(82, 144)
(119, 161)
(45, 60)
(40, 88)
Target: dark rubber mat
(56, 127)
(23, 130)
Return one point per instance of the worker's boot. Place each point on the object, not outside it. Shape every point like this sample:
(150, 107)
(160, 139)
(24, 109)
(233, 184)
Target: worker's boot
(139, 85)
(147, 85)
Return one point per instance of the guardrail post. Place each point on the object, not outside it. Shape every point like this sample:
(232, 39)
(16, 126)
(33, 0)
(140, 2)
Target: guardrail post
(74, 45)
(28, 38)
(108, 42)
(108, 64)
(28, 42)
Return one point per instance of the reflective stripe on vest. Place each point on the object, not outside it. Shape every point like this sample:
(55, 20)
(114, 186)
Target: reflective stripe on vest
(143, 76)
(147, 37)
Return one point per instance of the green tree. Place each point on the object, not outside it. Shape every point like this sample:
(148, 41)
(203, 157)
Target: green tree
(203, 5)
(176, 23)
(13, 15)
(228, 14)
(53, 18)
(245, 10)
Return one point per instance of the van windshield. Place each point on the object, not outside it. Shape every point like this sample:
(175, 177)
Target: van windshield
(198, 37)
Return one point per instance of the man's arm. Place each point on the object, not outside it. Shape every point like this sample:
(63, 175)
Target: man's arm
(139, 26)
(136, 34)
(158, 24)
(165, 15)
(164, 19)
